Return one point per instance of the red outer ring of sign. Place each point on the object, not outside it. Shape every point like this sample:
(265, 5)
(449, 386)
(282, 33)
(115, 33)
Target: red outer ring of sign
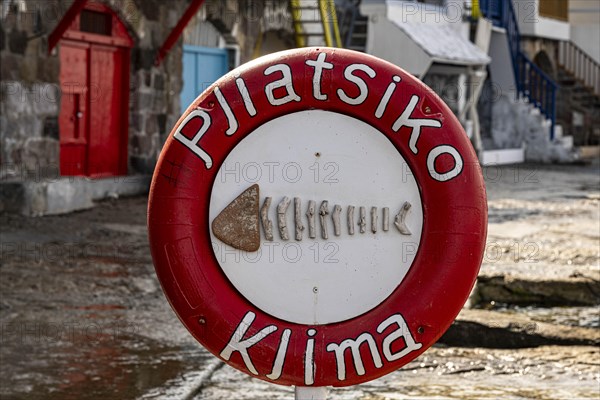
(443, 271)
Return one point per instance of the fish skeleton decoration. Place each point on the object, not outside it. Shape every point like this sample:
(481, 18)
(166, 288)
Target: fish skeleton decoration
(238, 224)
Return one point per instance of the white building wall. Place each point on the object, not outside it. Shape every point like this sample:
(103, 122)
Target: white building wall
(588, 38)
(532, 24)
(501, 69)
(584, 17)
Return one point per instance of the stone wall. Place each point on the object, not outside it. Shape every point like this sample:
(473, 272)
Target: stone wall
(29, 92)
(154, 90)
(29, 129)
(242, 22)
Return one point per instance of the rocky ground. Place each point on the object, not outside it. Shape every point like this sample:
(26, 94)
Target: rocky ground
(82, 315)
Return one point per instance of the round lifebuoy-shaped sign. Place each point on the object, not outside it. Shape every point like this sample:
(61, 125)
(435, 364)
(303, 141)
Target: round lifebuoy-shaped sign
(317, 217)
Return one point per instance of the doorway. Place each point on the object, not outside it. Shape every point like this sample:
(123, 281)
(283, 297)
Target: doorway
(202, 66)
(94, 78)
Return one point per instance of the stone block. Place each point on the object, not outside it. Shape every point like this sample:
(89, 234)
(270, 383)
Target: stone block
(13, 150)
(151, 125)
(159, 103)
(31, 61)
(131, 14)
(29, 126)
(143, 165)
(137, 81)
(3, 124)
(150, 9)
(45, 98)
(161, 120)
(137, 121)
(9, 67)
(143, 144)
(175, 106)
(48, 69)
(12, 197)
(159, 81)
(143, 101)
(50, 128)
(40, 153)
(17, 41)
(8, 128)
(143, 58)
(14, 98)
(174, 62)
(171, 121)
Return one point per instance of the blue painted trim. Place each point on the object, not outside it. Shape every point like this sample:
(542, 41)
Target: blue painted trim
(204, 50)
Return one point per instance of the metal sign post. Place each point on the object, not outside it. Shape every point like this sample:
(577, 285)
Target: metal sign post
(317, 218)
(310, 393)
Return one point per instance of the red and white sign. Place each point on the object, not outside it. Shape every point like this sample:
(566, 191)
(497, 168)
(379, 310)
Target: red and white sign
(317, 217)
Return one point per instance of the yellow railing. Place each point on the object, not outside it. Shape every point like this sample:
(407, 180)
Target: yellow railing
(296, 16)
(475, 11)
(328, 15)
(331, 31)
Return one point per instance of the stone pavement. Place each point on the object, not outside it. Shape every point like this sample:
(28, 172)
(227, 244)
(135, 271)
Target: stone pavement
(450, 373)
(82, 315)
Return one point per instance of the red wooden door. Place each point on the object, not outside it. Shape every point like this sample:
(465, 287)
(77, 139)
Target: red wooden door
(107, 146)
(94, 78)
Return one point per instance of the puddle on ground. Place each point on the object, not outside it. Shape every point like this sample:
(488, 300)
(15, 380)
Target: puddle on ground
(94, 365)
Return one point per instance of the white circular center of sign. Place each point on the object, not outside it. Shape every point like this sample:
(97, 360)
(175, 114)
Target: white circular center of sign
(321, 155)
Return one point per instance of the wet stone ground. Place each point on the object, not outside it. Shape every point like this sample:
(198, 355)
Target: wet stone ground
(82, 315)
(456, 373)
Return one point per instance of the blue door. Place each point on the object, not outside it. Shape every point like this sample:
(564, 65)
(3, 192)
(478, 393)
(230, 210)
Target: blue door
(202, 66)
